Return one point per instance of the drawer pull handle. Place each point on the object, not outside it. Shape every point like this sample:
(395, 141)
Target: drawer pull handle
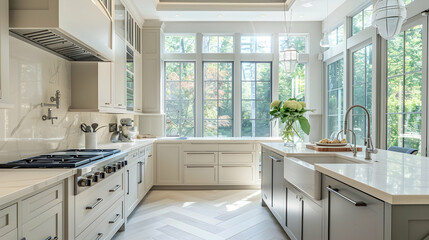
(275, 159)
(116, 219)
(337, 192)
(99, 200)
(115, 189)
(200, 166)
(150, 155)
(99, 236)
(226, 166)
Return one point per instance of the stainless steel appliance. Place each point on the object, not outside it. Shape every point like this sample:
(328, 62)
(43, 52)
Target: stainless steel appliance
(92, 165)
(127, 130)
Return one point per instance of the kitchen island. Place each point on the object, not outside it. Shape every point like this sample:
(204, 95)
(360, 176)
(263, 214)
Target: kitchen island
(385, 198)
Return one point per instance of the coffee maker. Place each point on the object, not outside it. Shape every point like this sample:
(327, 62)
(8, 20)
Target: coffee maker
(127, 131)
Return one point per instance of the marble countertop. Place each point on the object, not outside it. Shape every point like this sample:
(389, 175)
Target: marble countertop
(18, 183)
(393, 177)
(217, 139)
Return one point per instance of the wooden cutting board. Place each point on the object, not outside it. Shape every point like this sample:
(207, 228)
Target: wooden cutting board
(331, 149)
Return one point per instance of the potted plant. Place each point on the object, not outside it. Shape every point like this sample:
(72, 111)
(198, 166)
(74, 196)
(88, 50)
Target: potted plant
(290, 113)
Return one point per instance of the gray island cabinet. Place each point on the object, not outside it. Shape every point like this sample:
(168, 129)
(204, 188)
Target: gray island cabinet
(343, 213)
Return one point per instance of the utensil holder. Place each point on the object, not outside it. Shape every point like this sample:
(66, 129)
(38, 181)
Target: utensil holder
(91, 140)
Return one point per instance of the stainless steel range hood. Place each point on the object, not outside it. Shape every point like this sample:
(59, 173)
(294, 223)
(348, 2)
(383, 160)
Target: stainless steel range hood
(78, 30)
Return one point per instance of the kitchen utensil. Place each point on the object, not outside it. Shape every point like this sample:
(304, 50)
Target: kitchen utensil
(94, 127)
(96, 130)
(84, 127)
(88, 129)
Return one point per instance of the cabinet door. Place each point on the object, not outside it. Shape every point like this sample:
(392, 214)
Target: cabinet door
(120, 73)
(48, 225)
(148, 174)
(311, 220)
(141, 165)
(279, 190)
(294, 214)
(236, 174)
(168, 164)
(267, 177)
(138, 78)
(131, 191)
(352, 214)
(200, 175)
(105, 84)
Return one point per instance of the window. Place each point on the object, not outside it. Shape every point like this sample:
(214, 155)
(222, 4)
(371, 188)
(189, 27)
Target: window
(255, 44)
(256, 99)
(362, 90)
(130, 79)
(218, 44)
(218, 101)
(180, 98)
(404, 89)
(335, 97)
(362, 20)
(299, 42)
(336, 36)
(179, 44)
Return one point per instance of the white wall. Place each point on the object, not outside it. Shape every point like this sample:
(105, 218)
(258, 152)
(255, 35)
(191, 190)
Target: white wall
(34, 77)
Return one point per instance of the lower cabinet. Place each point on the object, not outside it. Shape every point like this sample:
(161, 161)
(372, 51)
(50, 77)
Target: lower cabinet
(168, 164)
(279, 189)
(48, 225)
(9, 223)
(294, 214)
(148, 173)
(201, 175)
(267, 177)
(236, 174)
(350, 213)
(131, 190)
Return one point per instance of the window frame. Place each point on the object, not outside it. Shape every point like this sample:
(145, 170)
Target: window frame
(361, 10)
(255, 36)
(241, 92)
(234, 42)
(164, 93)
(165, 35)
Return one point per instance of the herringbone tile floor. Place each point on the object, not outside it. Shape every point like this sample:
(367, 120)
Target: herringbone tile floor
(208, 214)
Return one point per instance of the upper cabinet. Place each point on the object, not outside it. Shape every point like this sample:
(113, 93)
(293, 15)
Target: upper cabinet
(4, 47)
(66, 28)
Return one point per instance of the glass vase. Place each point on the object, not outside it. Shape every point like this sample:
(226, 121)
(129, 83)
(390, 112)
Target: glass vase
(290, 134)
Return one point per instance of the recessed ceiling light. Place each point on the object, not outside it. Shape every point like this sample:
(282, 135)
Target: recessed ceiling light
(220, 15)
(177, 15)
(301, 16)
(262, 15)
(307, 5)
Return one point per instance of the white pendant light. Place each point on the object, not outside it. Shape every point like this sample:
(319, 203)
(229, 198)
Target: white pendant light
(289, 56)
(388, 17)
(325, 43)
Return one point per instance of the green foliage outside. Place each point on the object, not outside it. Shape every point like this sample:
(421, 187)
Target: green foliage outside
(179, 44)
(335, 97)
(218, 44)
(404, 92)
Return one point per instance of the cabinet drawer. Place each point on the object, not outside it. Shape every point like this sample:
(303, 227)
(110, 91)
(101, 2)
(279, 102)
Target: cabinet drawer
(8, 219)
(92, 204)
(48, 225)
(148, 150)
(234, 158)
(200, 147)
(142, 151)
(239, 175)
(133, 155)
(200, 158)
(200, 175)
(12, 235)
(237, 147)
(41, 202)
(106, 225)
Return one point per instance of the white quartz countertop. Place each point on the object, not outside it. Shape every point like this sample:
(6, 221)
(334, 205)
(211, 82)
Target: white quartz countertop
(393, 177)
(17, 183)
(217, 139)
(128, 146)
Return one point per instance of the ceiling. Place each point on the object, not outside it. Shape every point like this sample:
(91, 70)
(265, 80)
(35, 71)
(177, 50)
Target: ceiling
(302, 10)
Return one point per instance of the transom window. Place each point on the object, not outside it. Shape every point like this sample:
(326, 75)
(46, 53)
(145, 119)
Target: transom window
(218, 44)
(362, 20)
(404, 89)
(256, 44)
(336, 36)
(255, 99)
(179, 94)
(179, 44)
(218, 99)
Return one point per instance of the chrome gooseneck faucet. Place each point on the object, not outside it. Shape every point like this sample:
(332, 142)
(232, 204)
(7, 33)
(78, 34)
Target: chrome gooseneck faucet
(368, 142)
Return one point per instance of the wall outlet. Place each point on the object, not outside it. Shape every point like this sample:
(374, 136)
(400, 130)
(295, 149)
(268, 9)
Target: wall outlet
(113, 127)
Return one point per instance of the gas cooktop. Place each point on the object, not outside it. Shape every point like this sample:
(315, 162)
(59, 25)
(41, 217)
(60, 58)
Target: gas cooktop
(72, 158)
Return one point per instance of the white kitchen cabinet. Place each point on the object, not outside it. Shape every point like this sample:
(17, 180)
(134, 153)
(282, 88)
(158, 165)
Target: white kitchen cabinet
(138, 78)
(119, 97)
(201, 158)
(236, 158)
(148, 173)
(9, 221)
(237, 175)
(4, 48)
(201, 175)
(132, 179)
(91, 86)
(48, 225)
(168, 164)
